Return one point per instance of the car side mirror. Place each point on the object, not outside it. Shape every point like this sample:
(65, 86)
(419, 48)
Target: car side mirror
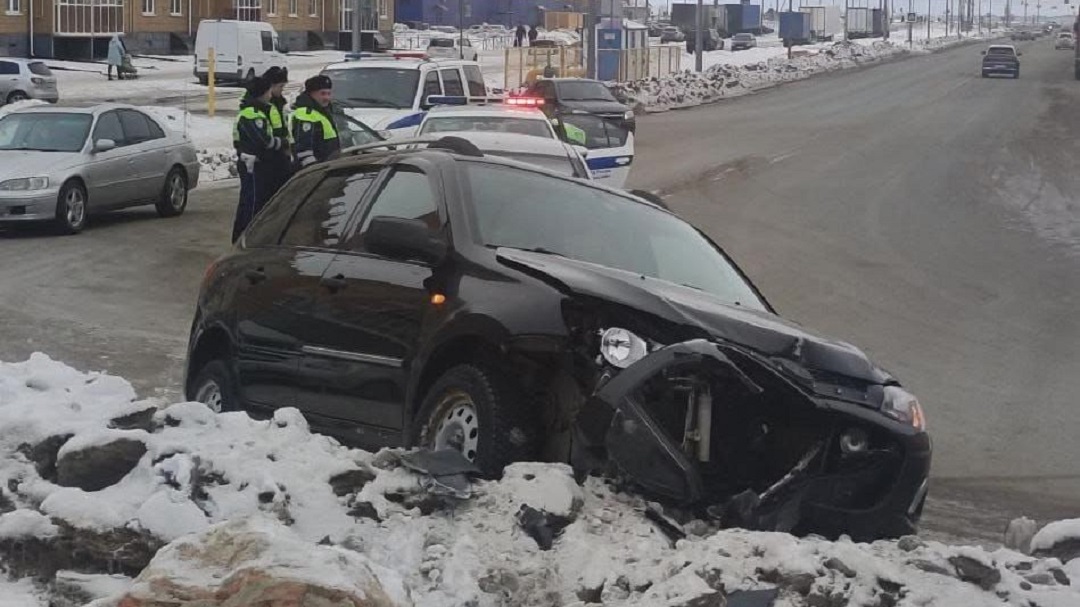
(104, 145)
(983, 52)
(404, 239)
(584, 151)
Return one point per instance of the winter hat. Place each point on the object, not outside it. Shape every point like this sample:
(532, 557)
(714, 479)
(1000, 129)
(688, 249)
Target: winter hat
(318, 83)
(277, 75)
(258, 86)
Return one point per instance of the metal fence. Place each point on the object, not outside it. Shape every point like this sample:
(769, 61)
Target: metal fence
(88, 18)
(647, 61)
(523, 65)
(419, 40)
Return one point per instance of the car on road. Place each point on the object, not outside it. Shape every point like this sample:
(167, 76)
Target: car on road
(492, 118)
(1022, 35)
(22, 79)
(1001, 59)
(61, 164)
(445, 47)
(581, 96)
(1064, 40)
(710, 40)
(444, 298)
(671, 33)
(242, 50)
(742, 42)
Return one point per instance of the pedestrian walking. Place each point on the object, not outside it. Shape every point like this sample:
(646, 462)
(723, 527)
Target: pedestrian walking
(519, 34)
(117, 50)
(314, 137)
(280, 162)
(533, 35)
(255, 143)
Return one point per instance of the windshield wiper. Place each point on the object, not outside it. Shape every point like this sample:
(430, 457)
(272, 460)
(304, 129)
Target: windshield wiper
(375, 102)
(540, 250)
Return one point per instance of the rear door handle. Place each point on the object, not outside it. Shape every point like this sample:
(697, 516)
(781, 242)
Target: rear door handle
(334, 283)
(255, 276)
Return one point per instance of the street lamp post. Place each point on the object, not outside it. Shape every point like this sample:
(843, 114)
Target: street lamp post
(698, 57)
(928, 9)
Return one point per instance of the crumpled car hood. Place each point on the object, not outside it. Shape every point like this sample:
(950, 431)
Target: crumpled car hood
(801, 353)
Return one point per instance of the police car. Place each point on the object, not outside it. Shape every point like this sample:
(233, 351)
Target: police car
(389, 92)
(608, 150)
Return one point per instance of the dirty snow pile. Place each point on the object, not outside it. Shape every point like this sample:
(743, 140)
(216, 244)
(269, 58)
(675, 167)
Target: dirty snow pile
(107, 498)
(212, 138)
(720, 81)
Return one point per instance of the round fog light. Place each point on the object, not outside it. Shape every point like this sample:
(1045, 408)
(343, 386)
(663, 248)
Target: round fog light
(854, 440)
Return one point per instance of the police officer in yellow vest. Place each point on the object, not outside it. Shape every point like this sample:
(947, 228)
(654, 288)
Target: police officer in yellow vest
(255, 143)
(279, 123)
(314, 137)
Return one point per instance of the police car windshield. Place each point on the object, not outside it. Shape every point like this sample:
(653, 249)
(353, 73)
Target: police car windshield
(488, 124)
(375, 86)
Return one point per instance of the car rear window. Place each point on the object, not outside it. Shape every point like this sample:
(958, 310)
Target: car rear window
(442, 42)
(488, 124)
(1001, 51)
(743, 37)
(40, 69)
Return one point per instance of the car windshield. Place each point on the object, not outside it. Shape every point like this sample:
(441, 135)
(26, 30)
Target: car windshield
(375, 86)
(44, 132)
(488, 124)
(1001, 51)
(584, 90)
(40, 69)
(530, 211)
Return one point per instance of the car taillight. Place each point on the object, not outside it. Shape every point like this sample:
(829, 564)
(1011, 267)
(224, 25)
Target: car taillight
(524, 101)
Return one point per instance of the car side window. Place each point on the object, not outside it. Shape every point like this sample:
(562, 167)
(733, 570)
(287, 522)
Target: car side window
(155, 129)
(475, 78)
(267, 41)
(406, 194)
(594, 132)
(7, 68)
(431, 84)
(452, 83)
(108, 127)
(266, 228)
(320, 221)
(136, 130)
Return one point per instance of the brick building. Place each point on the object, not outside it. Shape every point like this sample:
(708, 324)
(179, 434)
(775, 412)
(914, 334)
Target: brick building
(80, 29)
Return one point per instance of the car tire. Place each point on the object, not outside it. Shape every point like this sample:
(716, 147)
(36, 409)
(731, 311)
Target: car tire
(16, 96)
(174, 194)
(215, 387)
(204, 80)
(480, 411)
(71, 208)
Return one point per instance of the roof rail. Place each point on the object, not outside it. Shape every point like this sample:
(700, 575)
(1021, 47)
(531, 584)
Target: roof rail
(457, 145)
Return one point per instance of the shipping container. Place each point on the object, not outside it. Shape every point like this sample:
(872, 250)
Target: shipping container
(858, 23)
(824, 21)
(880, 24)
(751, 19)
(795, 26)
(684, 15)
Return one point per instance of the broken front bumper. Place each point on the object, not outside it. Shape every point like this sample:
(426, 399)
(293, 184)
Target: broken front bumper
(878, 493)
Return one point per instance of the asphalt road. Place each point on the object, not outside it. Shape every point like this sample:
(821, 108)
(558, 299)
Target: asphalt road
(912, 208)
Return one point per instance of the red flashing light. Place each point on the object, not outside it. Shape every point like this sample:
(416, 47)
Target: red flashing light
(524, 101)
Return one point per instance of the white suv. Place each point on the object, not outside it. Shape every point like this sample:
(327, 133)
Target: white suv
(445, 47)
(392, 94)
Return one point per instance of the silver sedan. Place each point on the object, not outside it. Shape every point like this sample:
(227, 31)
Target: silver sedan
(60, 164)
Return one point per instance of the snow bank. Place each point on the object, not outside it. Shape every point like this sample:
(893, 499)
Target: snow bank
(730, 74)
(202, 470)
(1056, 532)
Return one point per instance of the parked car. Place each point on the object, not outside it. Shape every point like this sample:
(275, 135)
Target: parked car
(710, 40)
(1064, 40)
(444, 298)
(60, 164)
(1001, 59)
(672, 33)
(22, 79)
(242, 50)
(451, 48)
(743, 42)
(1021, 35)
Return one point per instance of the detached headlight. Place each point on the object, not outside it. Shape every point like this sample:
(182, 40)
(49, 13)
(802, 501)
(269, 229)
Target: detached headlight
(628, 115)
(25, 184)
(901, 405)
(621, 348)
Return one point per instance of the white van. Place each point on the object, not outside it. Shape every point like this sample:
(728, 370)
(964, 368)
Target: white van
(392, 94)
(243, 49)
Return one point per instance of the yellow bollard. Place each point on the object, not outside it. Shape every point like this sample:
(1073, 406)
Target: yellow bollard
(211, 65)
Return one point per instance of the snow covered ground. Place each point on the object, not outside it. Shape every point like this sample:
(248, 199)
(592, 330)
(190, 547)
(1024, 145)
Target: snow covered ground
(84, 463)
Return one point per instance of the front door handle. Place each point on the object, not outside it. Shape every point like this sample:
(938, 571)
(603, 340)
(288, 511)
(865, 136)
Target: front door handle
(255, 276)
(334, 283)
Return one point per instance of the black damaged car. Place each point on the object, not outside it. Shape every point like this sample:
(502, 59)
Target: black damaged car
(439, 298)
